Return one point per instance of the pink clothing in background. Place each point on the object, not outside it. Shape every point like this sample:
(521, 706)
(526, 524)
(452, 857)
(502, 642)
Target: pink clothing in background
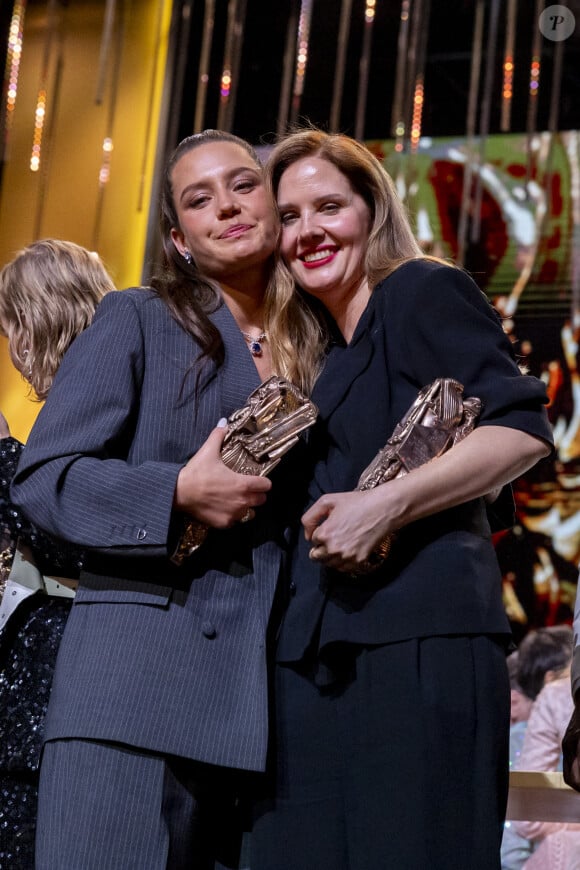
(558, 842)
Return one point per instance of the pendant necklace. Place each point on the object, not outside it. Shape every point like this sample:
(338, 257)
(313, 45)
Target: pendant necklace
(255, 343)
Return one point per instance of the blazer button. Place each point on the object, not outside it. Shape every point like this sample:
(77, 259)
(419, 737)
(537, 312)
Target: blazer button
(208, 630)
(141, 534)
(292, 588)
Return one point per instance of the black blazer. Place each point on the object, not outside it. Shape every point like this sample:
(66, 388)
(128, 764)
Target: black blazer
(424, 321)
(167, 659)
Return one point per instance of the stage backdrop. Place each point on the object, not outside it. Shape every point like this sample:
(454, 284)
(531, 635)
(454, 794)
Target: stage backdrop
(89, 97)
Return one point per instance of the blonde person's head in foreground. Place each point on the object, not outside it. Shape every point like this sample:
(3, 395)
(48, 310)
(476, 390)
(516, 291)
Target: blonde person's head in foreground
(48, 295)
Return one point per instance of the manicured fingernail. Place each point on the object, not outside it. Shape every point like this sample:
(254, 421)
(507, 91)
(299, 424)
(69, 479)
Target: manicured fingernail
(222, 423)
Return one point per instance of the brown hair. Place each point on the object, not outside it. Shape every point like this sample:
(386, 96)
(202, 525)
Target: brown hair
(295, 336)
(48, 295)
(542, 650)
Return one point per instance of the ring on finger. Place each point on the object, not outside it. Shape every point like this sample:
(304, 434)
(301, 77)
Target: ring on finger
(247, 516)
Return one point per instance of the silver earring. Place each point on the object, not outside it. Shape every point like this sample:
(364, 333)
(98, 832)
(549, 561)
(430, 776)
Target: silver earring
(187, 257)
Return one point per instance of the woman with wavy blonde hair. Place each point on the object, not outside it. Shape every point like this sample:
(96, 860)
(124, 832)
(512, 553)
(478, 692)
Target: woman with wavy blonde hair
(48, 295)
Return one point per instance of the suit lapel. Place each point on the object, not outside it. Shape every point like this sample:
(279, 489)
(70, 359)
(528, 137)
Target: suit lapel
(238, 376)
(344, 363)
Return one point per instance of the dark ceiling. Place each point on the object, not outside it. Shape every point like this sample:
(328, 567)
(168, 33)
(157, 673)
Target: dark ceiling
(448, 30)
(446, 25)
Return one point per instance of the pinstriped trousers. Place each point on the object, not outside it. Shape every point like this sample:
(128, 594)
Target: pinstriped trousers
(108, 807)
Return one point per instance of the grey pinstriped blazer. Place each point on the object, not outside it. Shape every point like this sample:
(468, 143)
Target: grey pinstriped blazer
(171, 660)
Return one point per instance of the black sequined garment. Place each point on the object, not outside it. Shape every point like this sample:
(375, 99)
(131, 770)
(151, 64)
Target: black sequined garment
(52, 557)
(28, 648)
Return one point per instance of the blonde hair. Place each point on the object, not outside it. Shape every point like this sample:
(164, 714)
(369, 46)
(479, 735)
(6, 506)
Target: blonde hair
(48, 295)
(296, 336)
(391, 241)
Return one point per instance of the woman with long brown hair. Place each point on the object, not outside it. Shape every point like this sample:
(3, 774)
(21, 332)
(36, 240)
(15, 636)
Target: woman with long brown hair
(160, 700)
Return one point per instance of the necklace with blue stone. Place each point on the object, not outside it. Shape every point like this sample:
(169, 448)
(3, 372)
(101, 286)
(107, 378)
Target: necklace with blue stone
(255, 342)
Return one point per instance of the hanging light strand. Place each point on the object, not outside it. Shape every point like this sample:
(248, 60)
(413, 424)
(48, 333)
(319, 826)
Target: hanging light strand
(39, 117)
(417, 113)
(41, 110)
(204, 66)
(341, 51)
(419, 90)
(572, 145)
(413, 68)
(232, 59)
(535, 69)
(287, 68)
(13, 57)
(397, 118)
(106, 37)
(105, 170)
(370, 11)
(470, 156)
(508, 67)
(533, 92)
(117, 44)
(226, 77)
(484, 115)
(151, 99)
(364, 68)
(302, 46)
